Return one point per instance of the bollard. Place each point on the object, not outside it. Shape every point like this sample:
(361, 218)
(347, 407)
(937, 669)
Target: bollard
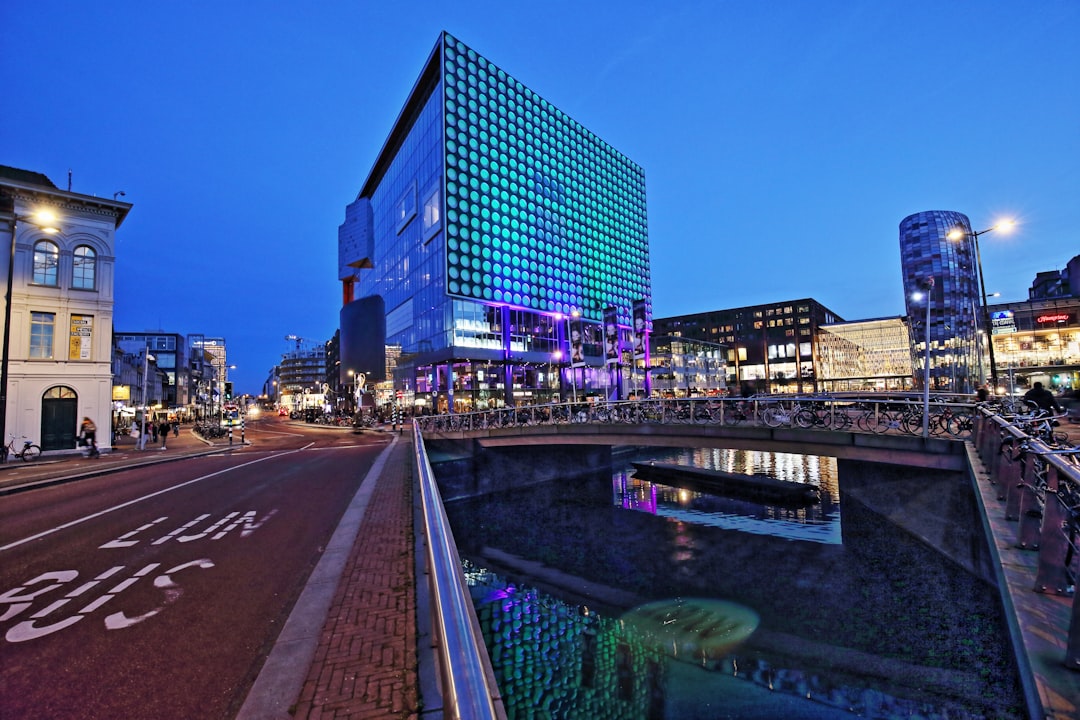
(242, 432)
(230, 434)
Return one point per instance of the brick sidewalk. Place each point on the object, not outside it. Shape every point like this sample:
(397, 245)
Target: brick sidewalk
(366, 663)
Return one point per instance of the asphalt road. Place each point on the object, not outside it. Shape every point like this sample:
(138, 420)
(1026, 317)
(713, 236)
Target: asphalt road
(157, 592)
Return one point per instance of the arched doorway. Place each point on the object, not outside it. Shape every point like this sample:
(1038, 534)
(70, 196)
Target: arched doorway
(59, 418)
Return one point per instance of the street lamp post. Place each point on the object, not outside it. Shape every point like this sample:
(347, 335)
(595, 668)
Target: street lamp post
(926, 367)
(45, 221)
(146, 370)
(956, 234)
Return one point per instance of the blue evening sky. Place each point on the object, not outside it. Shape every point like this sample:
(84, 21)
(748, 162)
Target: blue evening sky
(782, 141)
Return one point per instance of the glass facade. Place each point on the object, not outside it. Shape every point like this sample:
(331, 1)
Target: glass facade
(926, 251)
(866, 356)
(770, 348)
(489, 219)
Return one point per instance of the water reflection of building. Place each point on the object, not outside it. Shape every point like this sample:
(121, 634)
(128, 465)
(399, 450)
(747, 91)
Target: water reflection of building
(491, 227)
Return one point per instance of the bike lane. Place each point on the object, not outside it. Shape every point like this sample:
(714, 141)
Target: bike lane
(165, 604)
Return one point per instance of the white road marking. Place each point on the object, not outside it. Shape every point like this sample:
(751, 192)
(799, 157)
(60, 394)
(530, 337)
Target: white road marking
(129, 503)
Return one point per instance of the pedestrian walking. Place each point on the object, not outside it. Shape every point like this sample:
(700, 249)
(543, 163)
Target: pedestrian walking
(163, 431)
(154, 429)
(88, 435)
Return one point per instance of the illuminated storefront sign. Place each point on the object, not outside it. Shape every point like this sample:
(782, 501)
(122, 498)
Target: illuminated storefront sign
(1002, 322)
(1059, 317)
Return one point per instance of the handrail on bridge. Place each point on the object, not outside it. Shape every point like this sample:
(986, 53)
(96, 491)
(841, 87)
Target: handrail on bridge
(1039, 480)
(868, 414)
(468, 684)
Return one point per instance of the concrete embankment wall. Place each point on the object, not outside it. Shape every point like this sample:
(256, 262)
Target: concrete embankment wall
(466, 469)
(936, 506)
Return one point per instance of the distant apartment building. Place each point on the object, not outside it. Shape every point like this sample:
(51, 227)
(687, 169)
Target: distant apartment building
(57, 342)
(302, 378)
(169, 351)
(770, 347)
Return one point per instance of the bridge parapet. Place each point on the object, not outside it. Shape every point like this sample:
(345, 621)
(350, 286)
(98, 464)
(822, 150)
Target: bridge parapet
(874, 430)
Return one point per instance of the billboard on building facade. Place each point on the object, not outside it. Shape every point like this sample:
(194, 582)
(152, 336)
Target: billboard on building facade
(641, 328)
(611, 336)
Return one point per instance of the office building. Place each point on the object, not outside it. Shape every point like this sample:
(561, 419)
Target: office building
(770, 348)
(957, 347)
(491, 229)
(169, 353)
(57, 342)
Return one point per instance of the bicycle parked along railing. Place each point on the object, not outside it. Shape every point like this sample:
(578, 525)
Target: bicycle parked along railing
(870, 415)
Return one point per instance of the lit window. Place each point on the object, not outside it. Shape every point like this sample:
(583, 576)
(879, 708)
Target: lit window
(406, 207)
(432, 213)
(46, 260)
(84, 269)
(41, 335)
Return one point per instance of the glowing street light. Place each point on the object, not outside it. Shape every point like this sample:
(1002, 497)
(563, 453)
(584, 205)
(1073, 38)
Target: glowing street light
(957, 234)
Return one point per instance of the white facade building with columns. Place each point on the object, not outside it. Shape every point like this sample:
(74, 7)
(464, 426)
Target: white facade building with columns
(59, 342)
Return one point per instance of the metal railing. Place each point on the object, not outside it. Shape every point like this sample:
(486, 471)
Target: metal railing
(468, 683)
(876, 414)
(1037, 475)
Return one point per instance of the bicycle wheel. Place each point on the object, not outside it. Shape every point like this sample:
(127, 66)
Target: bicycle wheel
(867, 422)
(961, 425)
(911, 423)
(775, 417)
(840, 420)
(31, 452)
(805, 418)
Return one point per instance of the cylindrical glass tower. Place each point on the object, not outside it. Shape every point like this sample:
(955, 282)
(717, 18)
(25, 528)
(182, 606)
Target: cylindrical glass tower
(955, 345)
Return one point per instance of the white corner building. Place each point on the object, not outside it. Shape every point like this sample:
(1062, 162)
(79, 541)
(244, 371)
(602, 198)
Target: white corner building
(59, 275)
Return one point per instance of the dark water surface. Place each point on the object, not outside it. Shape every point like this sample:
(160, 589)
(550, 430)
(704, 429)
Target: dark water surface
(854, 616)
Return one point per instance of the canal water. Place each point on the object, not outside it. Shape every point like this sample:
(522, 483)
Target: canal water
(611, 597)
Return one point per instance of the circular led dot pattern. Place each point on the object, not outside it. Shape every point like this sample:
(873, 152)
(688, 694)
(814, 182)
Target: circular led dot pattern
(541, 213)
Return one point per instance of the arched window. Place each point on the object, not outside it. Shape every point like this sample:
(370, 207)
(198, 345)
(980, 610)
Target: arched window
(46, 260)
(60, 392)
(85, 268)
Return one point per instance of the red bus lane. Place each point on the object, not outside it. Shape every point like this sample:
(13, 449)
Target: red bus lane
(162, 600)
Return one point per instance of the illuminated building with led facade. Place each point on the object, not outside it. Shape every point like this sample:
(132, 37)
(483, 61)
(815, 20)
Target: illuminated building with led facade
(926, 251)
(492, 231)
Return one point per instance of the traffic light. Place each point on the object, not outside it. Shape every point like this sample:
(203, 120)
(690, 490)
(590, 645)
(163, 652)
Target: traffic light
(228, 391)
